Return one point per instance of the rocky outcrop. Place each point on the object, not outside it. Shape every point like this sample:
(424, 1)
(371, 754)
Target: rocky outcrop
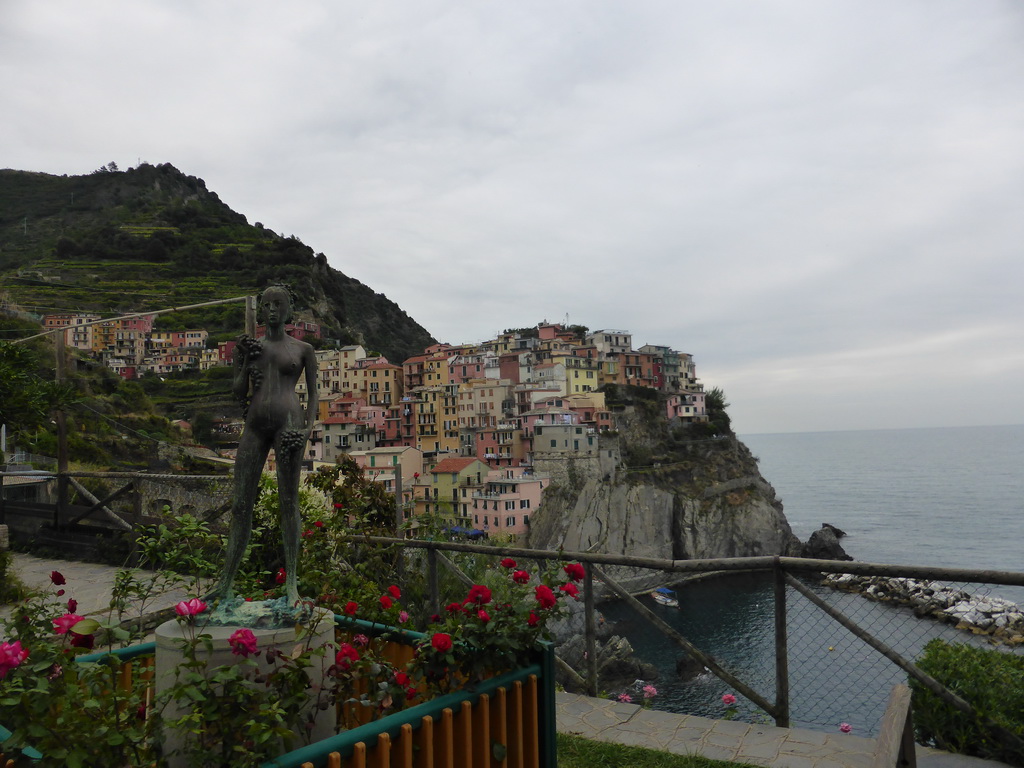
(1001, 619)
(617, 666)
(670, 497)
(824, 544)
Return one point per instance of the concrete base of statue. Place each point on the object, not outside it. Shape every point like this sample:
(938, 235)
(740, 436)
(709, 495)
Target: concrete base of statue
(169, 657)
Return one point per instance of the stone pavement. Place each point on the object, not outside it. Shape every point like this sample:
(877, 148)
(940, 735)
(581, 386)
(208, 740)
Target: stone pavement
(631, 724)
(599, 719)
(90, 584)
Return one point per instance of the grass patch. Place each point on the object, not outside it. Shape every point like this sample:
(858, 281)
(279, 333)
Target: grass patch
(577, 752)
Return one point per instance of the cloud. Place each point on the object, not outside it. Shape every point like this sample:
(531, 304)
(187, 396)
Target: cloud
(789, 186)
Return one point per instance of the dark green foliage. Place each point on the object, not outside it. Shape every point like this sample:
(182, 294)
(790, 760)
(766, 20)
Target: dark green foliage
(11, 588)
(27, 394)
(992, 681)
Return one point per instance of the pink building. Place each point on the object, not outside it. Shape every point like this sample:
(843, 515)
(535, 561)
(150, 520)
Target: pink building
(504, 505)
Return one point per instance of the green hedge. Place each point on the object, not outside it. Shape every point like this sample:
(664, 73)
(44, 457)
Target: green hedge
(992, 681)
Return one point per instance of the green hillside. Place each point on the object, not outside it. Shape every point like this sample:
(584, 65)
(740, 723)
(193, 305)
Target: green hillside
(151, 238)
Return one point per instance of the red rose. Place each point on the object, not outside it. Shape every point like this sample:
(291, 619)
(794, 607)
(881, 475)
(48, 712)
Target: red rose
(351, 607)
(281, 576)
(453, 607)
(394, 591)
(545, 596)
(346, 655)
(533, 620)
(57, 578)
(520, 577)
(72, 605)
(483, 615)
(508, 562)
(478, 593)
(83, 641)
(570, 589)
(385, 602)
(575, 571)
(318, 524)
(441, 641)
(402, 679)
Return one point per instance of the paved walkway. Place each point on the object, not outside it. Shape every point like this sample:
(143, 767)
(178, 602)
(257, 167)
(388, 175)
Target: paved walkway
(631, 724)
(91, 584)
(599, 719)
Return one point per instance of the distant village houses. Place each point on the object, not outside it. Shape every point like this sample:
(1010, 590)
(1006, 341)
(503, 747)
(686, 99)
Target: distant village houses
(470, 433)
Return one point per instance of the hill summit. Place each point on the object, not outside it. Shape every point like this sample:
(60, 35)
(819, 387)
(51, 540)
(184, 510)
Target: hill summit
(153, 237)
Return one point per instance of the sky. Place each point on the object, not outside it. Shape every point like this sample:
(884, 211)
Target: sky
(822, 202)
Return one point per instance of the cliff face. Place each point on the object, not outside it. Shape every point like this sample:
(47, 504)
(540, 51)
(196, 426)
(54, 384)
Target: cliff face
(663, 491)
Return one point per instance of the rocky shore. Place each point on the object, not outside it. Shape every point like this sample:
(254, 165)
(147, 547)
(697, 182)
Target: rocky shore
(1001, 620)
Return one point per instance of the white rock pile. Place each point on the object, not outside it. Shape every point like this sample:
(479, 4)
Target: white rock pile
(1001, 619)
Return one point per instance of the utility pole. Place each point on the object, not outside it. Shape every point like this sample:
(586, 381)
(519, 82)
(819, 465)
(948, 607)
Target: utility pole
(62, 438)
(250, 316)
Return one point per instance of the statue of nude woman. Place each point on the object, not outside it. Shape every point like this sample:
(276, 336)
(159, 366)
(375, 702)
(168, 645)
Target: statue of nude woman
(266, 372)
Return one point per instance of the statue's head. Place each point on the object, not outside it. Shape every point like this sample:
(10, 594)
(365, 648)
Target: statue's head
(279, 297)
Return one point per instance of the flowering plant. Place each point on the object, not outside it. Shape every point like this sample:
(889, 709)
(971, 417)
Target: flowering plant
(494, 628)
(78, 714)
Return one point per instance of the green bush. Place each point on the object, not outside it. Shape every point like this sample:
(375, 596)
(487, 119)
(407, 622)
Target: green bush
(11, 588)
(992, 681)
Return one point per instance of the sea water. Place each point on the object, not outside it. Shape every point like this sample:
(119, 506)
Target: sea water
(951, 497)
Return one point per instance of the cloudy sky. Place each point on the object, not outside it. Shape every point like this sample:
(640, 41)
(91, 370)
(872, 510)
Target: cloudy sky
(823, 202)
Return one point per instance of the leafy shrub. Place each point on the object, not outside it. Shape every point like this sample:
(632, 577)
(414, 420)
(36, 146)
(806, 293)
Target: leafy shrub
(992, 681)
(11, 588)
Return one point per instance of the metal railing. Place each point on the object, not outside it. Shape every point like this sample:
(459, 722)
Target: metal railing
(801, 609)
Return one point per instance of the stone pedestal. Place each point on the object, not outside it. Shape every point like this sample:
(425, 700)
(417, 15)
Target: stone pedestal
(169, 656)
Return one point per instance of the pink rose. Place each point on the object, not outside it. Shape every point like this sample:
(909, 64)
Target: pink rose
(11, 656)
(189, 608)
(62, 624)
(728, 699)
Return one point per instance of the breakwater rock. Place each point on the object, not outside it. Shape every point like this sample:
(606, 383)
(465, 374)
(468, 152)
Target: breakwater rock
(1000, 619)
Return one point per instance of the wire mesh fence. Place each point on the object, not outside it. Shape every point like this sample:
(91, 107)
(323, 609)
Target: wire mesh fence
(833, 670)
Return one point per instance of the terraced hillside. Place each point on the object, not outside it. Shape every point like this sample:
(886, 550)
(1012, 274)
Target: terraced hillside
(153, 237)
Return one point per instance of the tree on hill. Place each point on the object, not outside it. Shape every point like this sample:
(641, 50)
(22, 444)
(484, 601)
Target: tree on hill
(27, 399)
(718, 418)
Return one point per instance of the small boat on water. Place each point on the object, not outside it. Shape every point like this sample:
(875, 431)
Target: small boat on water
(665, 596)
